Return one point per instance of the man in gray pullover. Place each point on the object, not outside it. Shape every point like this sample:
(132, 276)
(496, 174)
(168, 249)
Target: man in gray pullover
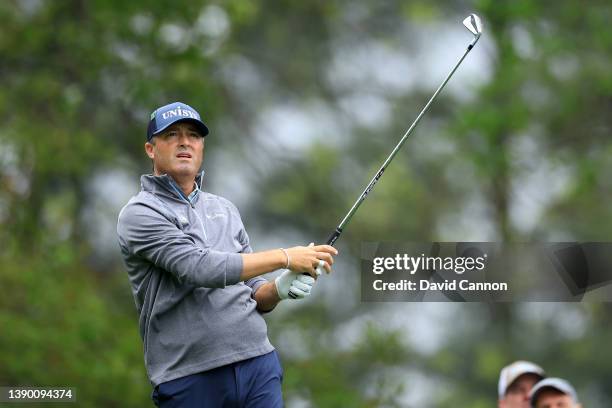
(196, 281)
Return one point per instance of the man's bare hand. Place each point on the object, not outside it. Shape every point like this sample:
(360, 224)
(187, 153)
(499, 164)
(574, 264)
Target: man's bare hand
(306, 258)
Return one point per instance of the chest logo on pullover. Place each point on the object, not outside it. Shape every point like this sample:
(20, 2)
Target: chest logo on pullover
(215, 215)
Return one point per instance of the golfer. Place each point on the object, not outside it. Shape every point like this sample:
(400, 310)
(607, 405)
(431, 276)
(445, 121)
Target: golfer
(516, 382)
(196, 281)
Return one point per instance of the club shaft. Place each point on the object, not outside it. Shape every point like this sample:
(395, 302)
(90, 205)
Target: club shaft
(336, 234)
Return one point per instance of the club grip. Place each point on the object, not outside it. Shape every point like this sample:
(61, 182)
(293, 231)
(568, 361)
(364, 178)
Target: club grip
(334, 236)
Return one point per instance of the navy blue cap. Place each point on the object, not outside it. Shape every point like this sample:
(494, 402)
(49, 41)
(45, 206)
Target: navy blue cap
(169, 114)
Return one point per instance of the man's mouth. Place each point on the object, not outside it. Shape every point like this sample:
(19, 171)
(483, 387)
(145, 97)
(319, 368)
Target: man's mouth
(184, 155)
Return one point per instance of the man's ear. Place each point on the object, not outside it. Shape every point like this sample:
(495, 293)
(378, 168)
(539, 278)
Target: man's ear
(149, 149)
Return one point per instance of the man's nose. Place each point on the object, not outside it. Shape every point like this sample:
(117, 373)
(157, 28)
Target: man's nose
(183, 138)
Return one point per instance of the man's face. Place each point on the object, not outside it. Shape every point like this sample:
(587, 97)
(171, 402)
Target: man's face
(549, 398)
(517, 395)
(178, 151)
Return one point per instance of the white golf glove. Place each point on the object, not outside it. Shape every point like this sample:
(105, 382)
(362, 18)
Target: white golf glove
(295, 282)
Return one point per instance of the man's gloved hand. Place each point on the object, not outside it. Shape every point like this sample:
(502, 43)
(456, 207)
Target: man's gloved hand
(298, 283)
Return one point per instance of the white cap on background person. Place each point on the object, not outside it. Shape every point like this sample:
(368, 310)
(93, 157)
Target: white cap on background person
(512, 372)
(561, 390)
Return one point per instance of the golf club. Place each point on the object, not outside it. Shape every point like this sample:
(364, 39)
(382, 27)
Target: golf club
(474, 25)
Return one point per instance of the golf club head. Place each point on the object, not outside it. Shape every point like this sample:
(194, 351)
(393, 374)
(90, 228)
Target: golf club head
(473, 23)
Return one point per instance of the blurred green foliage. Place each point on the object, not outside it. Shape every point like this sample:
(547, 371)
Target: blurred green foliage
(79, 80)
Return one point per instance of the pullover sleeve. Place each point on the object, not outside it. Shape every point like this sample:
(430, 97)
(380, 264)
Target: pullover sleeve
(256, 282)
(145, 233)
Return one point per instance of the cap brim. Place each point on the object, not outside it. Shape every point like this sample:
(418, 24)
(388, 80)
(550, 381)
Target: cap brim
(199, 124)
(515, 379)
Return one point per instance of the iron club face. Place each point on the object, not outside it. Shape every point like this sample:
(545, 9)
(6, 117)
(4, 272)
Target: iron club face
(473, 23)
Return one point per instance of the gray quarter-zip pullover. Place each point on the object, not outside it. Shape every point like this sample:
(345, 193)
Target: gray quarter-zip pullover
(183, 260)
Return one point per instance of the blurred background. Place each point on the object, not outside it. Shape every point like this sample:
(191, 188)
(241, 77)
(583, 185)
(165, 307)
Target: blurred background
(304, 100)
